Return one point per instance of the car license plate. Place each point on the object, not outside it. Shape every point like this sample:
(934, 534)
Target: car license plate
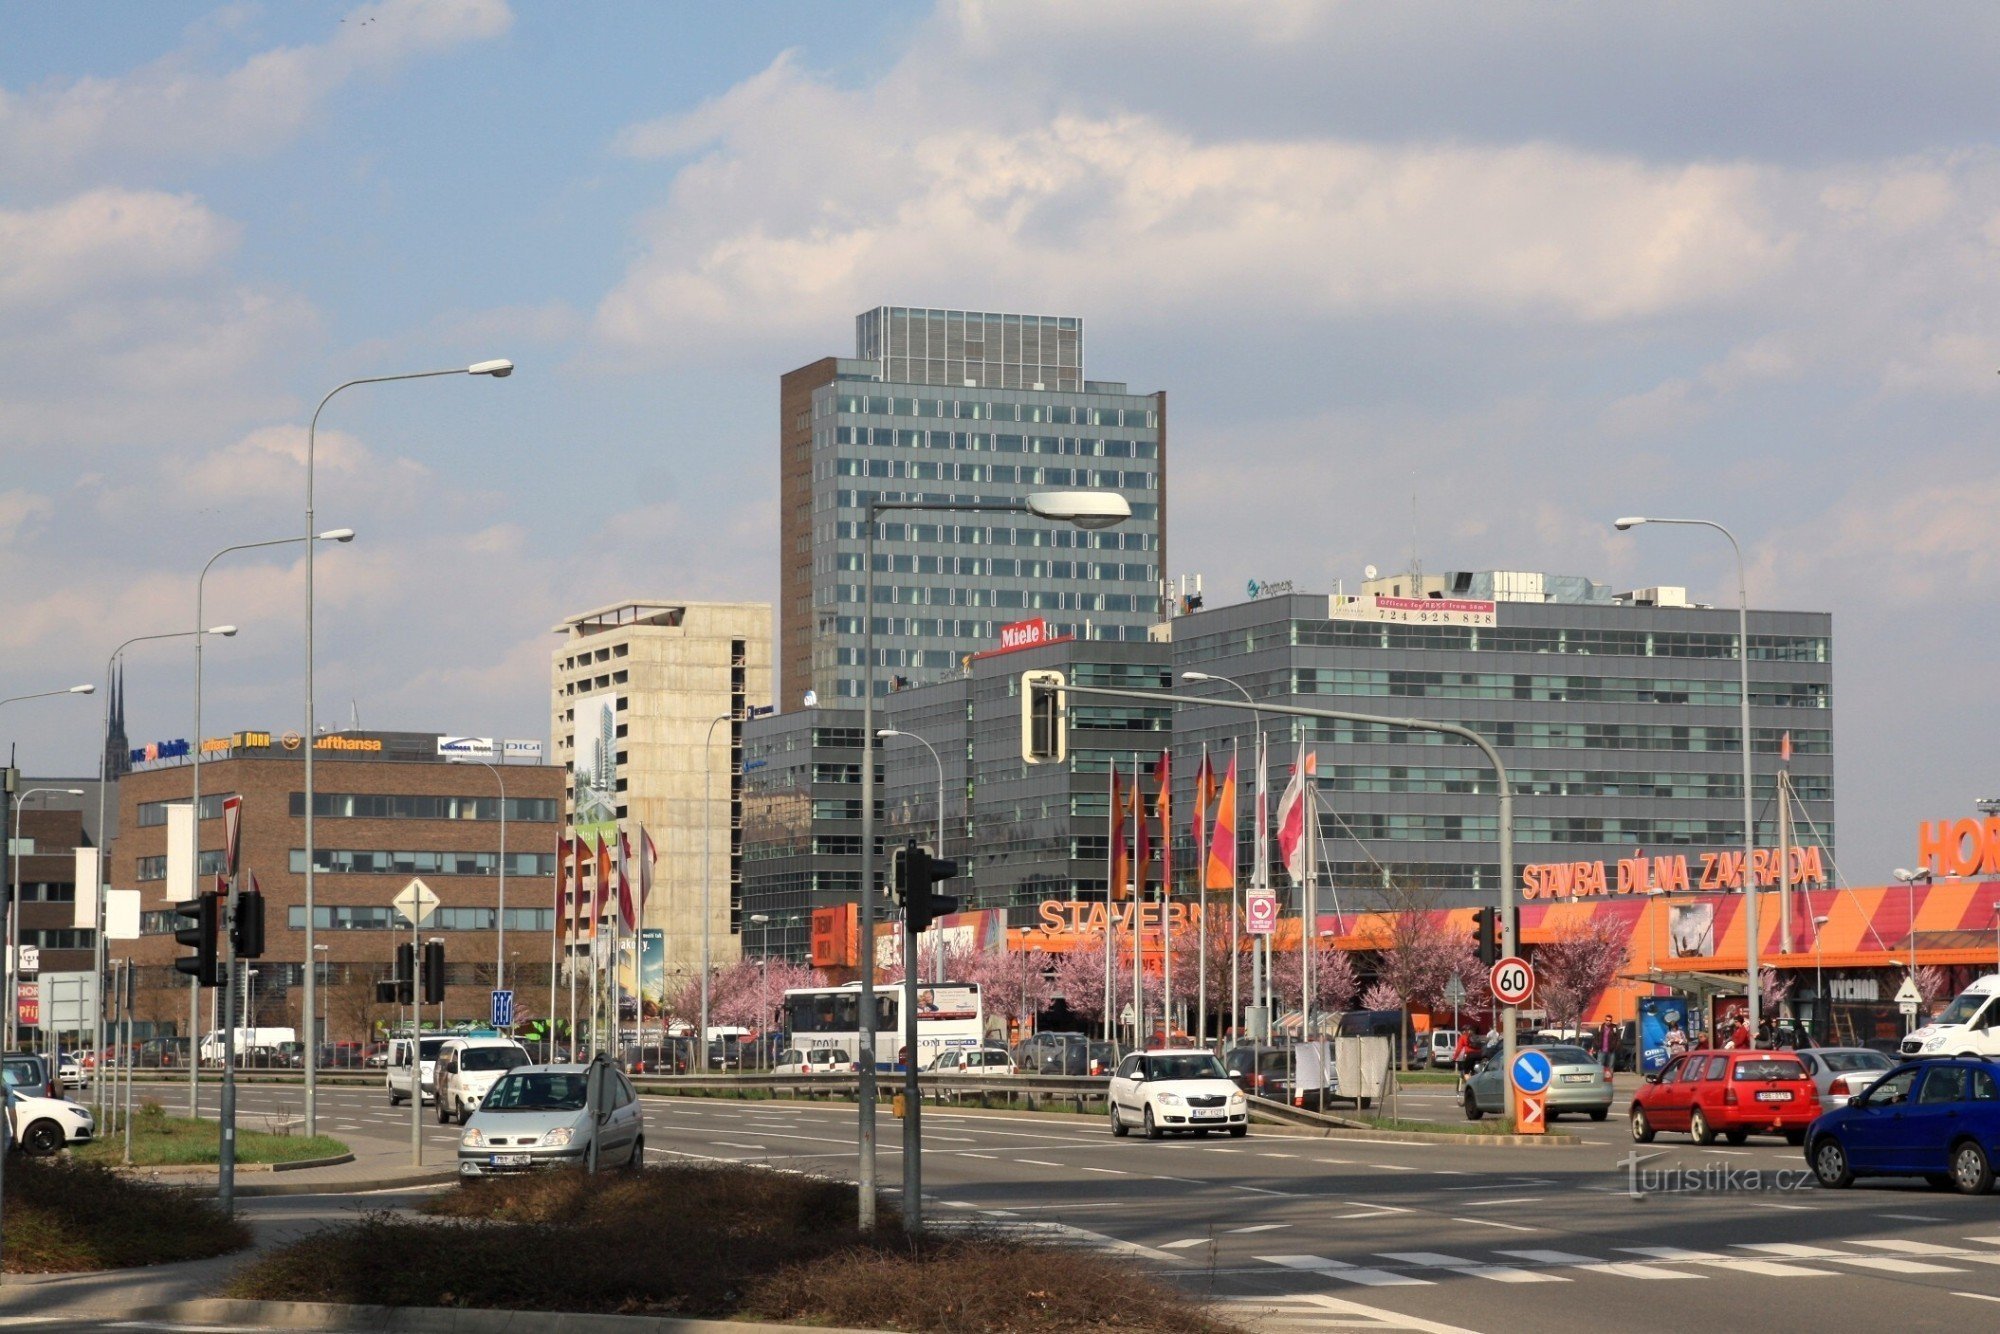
(1576, 1079)
(508, 1160)
(1208, 1114)
(1774, 1095)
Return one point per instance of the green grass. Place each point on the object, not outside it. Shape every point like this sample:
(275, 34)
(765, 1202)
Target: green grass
(67, 1217)
(159, 1140)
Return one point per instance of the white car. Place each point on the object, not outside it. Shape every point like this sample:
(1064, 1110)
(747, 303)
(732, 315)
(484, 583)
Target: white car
(1178, 1090)
(464, 1071)
(70, 1073)
(43, 1125)
(973, 1061)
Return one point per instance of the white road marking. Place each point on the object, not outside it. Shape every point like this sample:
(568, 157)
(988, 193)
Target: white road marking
(1260, 1227)
(1037, 1162)
(1795, 1251)
(733, 1144)
(1459, 1265)
(1488, 1222)
(1511, 1199)
(1340, 1269)
(1183, 1245)
(1926, 1248)
(1107, 1171)
(967, 1153)
(1594, 1266)
(1317, 1311)
(1768, 1268)
(1977, 1296)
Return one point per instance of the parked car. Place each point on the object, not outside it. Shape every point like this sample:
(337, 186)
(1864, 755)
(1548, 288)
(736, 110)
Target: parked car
(41, 1126)
(1936, 1119)
(377, 1057)
(28, 1072)
(1734, 1094)
(1435, 1047)
(1576, 1085)
(1179, 1090)
(555, 1115)
(1839, 1073)
(973, 1061)
(1265, 1072)
(466, 1068)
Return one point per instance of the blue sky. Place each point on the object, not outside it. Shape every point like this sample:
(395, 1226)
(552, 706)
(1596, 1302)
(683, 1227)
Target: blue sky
(1539, 266)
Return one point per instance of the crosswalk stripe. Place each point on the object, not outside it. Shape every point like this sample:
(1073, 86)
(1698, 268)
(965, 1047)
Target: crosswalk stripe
(1595, 1266)
(1183, 1244)
(1459, 1265)
(1260, 1227)
(1927, 1248)
(1767, 1268)
(1340, 1269)
(1885, 1264)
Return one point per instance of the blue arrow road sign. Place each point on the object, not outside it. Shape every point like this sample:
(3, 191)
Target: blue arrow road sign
(503, 1009)
(1532, 1072)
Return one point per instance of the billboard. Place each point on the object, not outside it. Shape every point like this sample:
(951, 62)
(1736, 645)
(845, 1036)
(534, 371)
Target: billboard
(596, 753)
(466, 747)
(522, 750)
(1691, 928)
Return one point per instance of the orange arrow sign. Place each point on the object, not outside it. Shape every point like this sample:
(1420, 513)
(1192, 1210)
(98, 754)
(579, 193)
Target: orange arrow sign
(1528, 1113)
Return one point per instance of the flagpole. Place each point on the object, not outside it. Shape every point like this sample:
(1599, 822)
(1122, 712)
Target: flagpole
(1138, 910)
(555, 931)
(1309, 925)
(1201, 898)
(1116, 805)
(1164, 807)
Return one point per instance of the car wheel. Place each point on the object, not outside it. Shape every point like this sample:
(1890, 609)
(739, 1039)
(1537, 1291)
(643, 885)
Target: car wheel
(43, 1138)
(1642, 1129)
(1153, 1130)
(1736, 1136)
(1830, 1165)
(395, 1099)
(1971, 1170)
(1699, 1130)
(1238, 1132)
(1118, 1126)
(1472, 1112)
(444, 1111)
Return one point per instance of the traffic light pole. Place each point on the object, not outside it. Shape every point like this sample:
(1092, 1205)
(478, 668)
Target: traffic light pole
(225, 1191)
(1510, 944)
(913, 1099)
(416, 1042)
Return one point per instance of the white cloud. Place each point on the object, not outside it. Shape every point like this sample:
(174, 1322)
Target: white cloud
(170, 111)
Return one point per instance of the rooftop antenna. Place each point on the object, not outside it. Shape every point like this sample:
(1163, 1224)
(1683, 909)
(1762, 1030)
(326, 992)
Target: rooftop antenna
(354, 715)
(1416, 565)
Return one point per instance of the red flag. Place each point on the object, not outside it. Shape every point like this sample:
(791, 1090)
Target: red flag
(648, 856)
(1120, 868)
(1204, 796)
(579, 897)
(1163, 780)
(1142, 851)
(1222, 843)
(601, 889)
(628, 911)
(1292, 815)
(1785, 748)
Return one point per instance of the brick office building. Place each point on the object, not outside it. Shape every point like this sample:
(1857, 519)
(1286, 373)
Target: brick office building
(387, 810)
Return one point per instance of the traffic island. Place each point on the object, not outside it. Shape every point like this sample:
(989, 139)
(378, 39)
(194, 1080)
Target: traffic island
(159, 1140)
(67, 1217)
(719, 1241)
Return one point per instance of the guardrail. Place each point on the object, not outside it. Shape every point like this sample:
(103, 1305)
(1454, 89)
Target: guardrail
(1036, 1091)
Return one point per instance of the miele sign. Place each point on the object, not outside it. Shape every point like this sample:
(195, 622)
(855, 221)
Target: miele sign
(1024, 634)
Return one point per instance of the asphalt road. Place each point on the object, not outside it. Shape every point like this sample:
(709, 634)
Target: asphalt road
(1302, 1233)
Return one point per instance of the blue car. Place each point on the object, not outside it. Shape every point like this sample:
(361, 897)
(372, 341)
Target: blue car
(1938, 1120)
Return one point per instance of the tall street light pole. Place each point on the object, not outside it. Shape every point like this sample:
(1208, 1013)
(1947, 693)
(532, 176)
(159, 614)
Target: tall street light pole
(104, 779)
(707, 842)
(1751, 987)
(13, 896)
(1085, 509)
(1235, 997)
(884, 734)
(500, 916)
(763, 980)
(499, 370)
(200, 592)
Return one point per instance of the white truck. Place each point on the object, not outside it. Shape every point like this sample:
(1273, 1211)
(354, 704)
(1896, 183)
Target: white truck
(397, 1075)
(1969, 1026)
(247, 1040)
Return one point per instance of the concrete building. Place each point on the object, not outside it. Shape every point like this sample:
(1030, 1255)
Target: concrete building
(958, 406)
(387, 809)
(647, 707)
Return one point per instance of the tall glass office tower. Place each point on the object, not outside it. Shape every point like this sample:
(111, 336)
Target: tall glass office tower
(956, 406)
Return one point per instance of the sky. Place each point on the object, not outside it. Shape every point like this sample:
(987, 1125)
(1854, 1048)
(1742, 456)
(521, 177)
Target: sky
(1463, 280)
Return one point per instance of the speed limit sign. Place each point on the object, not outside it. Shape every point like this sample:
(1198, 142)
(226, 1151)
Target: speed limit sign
(1512, 981)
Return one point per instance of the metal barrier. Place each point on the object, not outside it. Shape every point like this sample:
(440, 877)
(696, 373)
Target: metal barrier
(1036, 1092)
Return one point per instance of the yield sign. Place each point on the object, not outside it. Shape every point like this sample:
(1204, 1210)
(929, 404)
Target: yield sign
(416, 903)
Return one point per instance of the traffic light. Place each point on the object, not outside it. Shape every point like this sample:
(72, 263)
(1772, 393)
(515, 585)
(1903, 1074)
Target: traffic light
(386, 991)
(1044, 718)
(202, 912)
(899, 873)
(406, 974)
(246, 932)
(433, 972)
(921, 871)
(1486, 926)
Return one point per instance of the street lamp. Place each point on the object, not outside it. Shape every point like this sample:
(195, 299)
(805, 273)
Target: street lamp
(1755, 998)
(1085, 509)
(14, 894)
(1821, 1008)
(1911, 879)
(318, 966)
(884, 734)
(707, 841)
(200, 593)
(104, 780)
(499, 370)
(87, 688)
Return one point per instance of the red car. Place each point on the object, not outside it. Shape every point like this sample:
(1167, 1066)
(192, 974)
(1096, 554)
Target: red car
(1734, 1094)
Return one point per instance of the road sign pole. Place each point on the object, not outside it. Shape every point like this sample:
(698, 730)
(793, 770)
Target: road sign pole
(416, 1041)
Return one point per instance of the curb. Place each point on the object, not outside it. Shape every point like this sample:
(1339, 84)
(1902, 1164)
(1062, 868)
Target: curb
(442, 1320)
(196, 1169)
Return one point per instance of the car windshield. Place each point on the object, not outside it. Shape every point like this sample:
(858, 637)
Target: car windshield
(1195, 1065)
(1568, 1056)
(1785, 1068)
(491, 1058)
(1840, 1062)
(430, 1047)
(1961, 1010)
(539, 1092)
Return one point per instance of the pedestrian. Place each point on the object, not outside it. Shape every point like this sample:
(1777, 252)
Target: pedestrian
(1607, 1043)
(1739, 1035)
(1460, 1051)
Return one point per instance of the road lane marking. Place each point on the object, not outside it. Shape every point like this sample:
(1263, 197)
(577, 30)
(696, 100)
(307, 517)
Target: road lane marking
(1317, 1311)
(1915, 1218)
(1796, 1251)
(1573, 1261)
(1340, 1269)
(1037, 1162)
(1977, 1296)
(1183, 1245)
(1260, 1227)
(1487, 1222)
(1392, 1167)
(1767, 1268)
(1473, 1268)
(1927, 1248)
(1107, 1171)
(1512, 1199)
(1258, 1190)
(967, 1153)
(733, 1144)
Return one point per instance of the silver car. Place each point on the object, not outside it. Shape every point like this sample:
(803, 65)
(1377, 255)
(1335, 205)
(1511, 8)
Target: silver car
(1841, 1073)
(555, 1115)
(1579, 1085)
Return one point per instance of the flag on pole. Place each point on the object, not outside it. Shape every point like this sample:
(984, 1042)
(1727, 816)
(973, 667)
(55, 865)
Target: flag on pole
(649, 856)
(628, 911)
(601, 875)
(1142, 836)
(1785, 748)
(1260, 870)
(1163, 779)
(1292, 815)
(1204, 795)
(579, 897)
(1222, 843)
(1120, 870)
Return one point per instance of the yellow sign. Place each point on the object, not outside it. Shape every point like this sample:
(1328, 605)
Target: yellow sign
(348, 743)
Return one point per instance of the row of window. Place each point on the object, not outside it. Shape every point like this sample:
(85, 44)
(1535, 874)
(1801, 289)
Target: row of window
(1009, 599)
(154, 813)
(588, 656)
(1582, 736)
(364, 862)
(1554, 689)
(918, 470)
(376, 919)
(1083, 447)
(399, 806)
(965, 534)
(931, 628)
(1562, 783)
(1509, 639)
(64, 938)
(973, 409)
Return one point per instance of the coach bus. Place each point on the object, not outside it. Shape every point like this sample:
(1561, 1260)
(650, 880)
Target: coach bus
(949, 1015)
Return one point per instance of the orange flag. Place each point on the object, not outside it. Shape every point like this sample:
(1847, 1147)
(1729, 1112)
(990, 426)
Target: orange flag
(1120, 867)
(1222, 844)
(1163, 779)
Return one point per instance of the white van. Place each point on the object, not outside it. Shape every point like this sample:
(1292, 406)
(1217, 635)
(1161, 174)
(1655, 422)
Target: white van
(1969, 1026)
(247, 1040)
(397, 1074)
(465, 1071)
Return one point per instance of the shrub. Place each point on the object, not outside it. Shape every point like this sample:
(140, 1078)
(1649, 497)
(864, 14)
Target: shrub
(66, 1217)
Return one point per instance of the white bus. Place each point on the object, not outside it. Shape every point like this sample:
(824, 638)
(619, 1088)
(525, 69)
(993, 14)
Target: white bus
(949, 1015)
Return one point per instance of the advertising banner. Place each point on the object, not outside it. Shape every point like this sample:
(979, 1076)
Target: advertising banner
(1692, 930)
(466, 747)
(522, 750)
(180, 853)
(1663, 1031)
(28, 1004)
(1411, 611)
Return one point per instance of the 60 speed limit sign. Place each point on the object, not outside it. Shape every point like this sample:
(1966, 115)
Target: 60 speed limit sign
(1512, 981)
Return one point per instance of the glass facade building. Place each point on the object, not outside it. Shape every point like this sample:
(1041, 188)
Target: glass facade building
(917, 417)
